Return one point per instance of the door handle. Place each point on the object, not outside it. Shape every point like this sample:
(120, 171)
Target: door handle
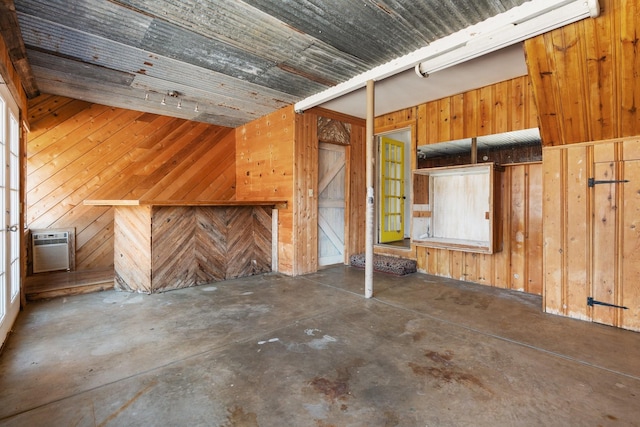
(13, 228)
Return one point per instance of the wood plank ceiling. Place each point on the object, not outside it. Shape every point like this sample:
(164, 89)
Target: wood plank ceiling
(225, 62)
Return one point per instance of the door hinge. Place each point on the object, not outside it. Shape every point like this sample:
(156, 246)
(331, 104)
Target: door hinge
(591, 302)
(592, 181)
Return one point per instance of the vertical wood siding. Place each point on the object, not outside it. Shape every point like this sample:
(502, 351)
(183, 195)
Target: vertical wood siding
(265, 166)
(518, 265)
(591, 234)
(306, 194)
(77, 150)
(277, 158)
(502, 107)
(584, 76)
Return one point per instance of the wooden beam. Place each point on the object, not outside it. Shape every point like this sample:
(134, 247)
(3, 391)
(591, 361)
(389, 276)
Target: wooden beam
(341, 117)
(10, 32)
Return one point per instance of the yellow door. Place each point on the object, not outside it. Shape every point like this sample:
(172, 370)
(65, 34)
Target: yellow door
(392, 192)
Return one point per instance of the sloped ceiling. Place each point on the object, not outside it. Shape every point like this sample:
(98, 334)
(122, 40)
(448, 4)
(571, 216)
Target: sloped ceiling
(228, 62)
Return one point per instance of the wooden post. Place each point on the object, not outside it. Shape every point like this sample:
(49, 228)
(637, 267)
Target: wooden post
(370, 159)
(274, 240)
(474, 150)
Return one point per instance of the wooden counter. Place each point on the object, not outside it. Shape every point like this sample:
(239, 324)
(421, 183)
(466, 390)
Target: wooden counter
(164, 245)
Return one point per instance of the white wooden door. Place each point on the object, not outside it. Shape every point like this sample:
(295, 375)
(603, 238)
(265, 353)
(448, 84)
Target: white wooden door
(331, 190)
(9, 205)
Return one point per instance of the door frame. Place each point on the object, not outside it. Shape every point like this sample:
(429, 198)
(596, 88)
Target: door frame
(345, 152)
(389, 191)
(12, 233)
(404, 132)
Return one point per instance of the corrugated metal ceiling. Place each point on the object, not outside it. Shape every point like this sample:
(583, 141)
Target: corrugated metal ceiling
(229, 61)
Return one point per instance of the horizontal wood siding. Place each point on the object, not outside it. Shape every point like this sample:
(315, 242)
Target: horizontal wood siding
(584, 76)
(502, 107)
(77, 150)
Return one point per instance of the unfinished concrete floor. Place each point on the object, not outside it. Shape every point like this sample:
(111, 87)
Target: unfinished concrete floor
(311, 351)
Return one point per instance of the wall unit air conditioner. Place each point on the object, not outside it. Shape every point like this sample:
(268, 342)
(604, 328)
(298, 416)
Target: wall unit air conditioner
(50, 251)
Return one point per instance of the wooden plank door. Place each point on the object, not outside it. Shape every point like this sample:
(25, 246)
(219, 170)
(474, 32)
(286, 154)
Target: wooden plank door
(630, 318)
(331, 203)
(392, 194)
(605, 251)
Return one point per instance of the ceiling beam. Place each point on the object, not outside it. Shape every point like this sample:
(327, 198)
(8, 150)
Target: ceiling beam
(10, 32)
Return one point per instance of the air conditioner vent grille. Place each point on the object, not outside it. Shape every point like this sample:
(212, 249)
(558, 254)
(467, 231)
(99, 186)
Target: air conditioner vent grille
(50, 251)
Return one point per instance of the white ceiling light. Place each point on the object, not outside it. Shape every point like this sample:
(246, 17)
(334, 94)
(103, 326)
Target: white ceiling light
(520, 23)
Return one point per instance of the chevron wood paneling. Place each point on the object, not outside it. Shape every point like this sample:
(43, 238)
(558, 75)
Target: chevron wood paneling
(164, 248)
(210, 246)
(173, 248)
(77, 150)
(133, 240)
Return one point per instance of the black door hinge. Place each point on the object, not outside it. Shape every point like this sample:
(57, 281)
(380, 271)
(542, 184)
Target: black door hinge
(592, 181)
(591, 302)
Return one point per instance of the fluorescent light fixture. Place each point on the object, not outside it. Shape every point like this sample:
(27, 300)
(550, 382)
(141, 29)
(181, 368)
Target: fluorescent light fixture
(517, 24)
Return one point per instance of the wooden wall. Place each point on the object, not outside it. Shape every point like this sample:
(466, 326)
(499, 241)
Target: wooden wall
(592, 233)
(518, 265)
(277, 158)
(11, 77)
(501, 107)
(78, 150)
(265, 154)
(584, 76)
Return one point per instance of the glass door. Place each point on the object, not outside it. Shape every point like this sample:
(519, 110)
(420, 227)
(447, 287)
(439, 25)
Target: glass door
(392, 197)
(10, 219)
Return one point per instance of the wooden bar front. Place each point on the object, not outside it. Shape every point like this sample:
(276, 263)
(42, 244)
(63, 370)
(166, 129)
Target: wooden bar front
(160, 246)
